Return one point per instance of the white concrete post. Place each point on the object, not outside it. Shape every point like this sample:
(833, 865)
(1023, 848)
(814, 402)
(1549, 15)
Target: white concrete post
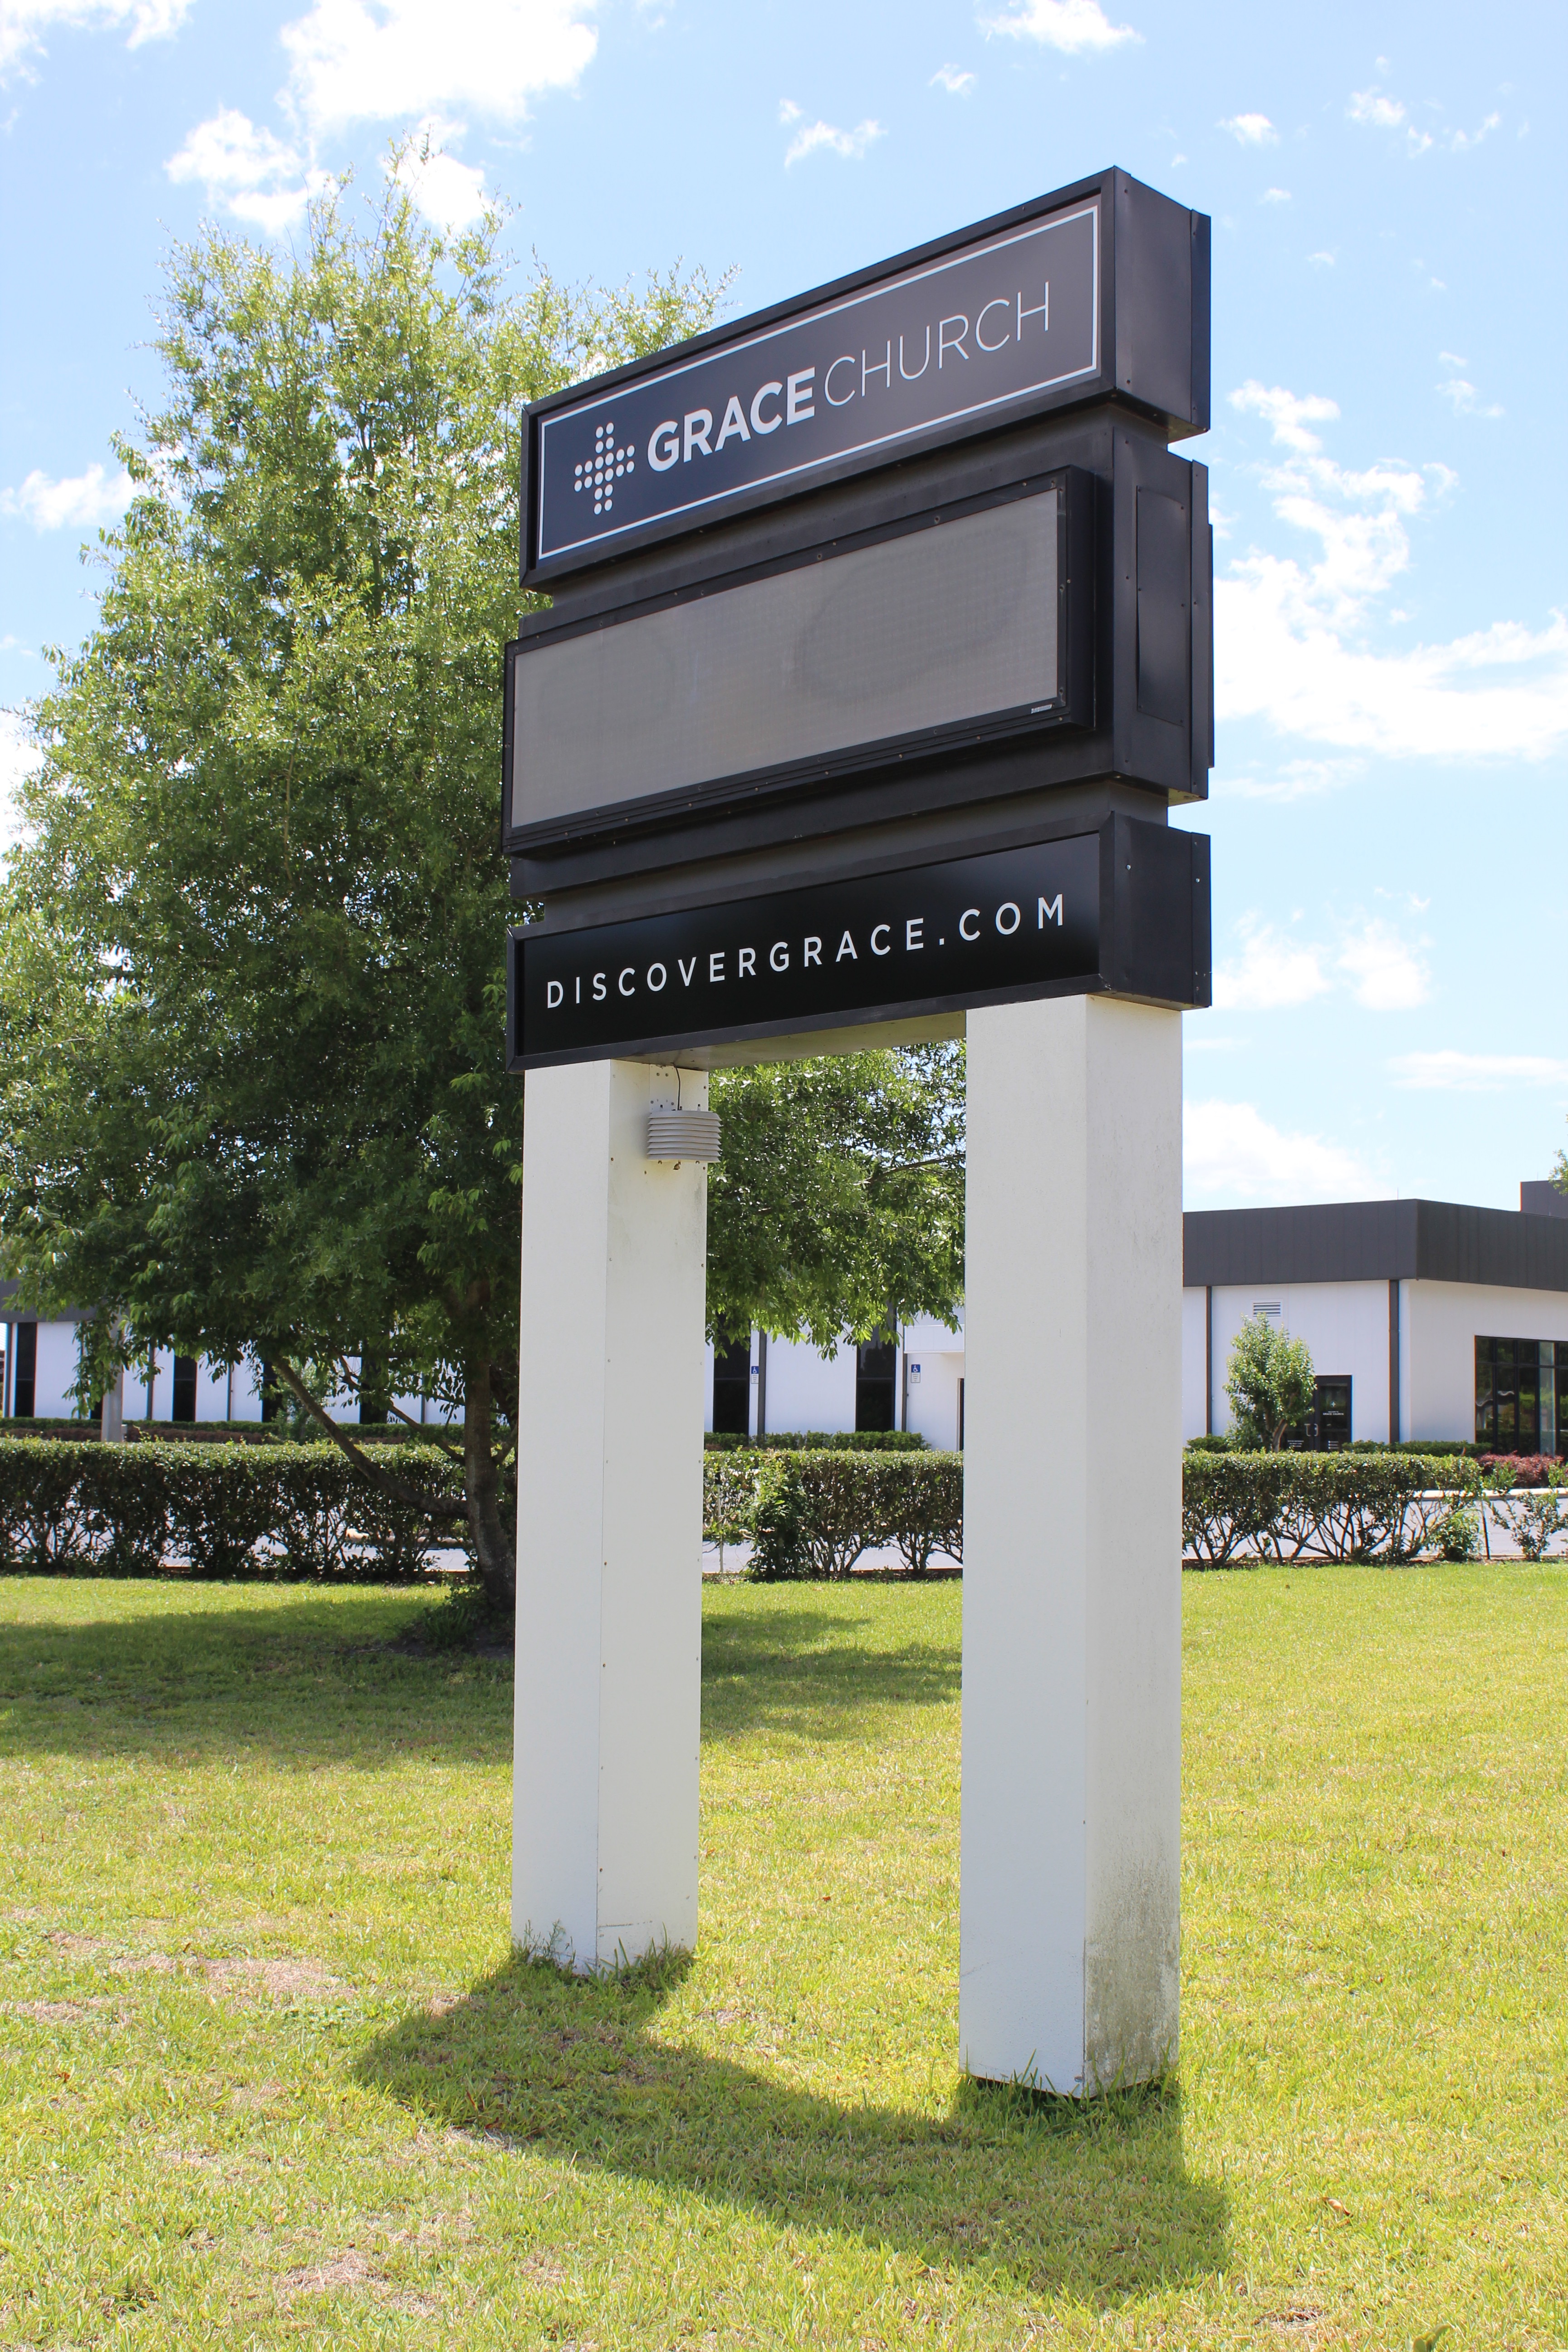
(609, 1637)
(1071, 1798)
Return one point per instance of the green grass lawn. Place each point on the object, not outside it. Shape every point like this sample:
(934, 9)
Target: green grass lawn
(267, 2075)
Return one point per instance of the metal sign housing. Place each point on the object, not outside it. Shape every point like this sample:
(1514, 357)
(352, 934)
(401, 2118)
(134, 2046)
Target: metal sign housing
(965, 624)
(835, 603)
(1122, 908)
(1097, 292)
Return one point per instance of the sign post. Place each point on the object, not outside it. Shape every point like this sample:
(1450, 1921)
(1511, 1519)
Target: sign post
(879, 652)
(1072, 1544)
(610, 1638)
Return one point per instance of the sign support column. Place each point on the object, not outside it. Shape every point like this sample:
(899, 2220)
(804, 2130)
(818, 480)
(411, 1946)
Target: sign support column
(608, 1706)
(1072, 1784)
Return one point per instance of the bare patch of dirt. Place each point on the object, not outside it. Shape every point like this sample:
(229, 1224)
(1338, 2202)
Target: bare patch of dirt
(347, 2271)
(330, 2275)
(284, 1980)
(63, 2012)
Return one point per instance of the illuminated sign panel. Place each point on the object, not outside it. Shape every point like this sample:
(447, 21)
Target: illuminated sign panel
(834, 660)
(1124, 908)
(955, 932)
(973, 335)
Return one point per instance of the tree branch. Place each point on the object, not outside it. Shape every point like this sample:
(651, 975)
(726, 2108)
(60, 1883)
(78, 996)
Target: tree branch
(430, 1506)
(910, 1166)
(450, 1451)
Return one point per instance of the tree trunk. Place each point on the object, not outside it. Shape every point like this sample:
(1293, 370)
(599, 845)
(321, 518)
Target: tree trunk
(493, 1550)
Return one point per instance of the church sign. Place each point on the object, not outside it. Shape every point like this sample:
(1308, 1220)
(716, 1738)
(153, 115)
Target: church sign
(872, 617)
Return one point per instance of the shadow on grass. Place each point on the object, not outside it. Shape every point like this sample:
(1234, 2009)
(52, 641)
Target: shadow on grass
(1047, 2195)
(331, 1679)
(314, 1680)
(813, 1669)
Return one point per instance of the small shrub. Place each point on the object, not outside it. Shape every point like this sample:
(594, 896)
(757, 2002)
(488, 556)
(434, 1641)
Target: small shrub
(1536, 1514)
(1456, 1533)
(814, 1513)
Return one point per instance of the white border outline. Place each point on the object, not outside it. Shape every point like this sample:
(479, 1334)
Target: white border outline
(808, 318)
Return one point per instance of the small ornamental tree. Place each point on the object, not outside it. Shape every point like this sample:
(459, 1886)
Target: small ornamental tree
(1270, 1384)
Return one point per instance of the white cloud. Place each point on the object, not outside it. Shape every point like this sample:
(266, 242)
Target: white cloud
(1287, 414)
(1275, 970)
(816, 136)
(24, 23)
(1451, 1072)
(1291, 637)
(240, 163)
(1458, 140)
(396, 60)
(18, 758)
(1251, 129)
(954, 79)
(1373, 108)
(230, 151)
(1275, 196)
(1387, 976)
(1230, 1147)
(82, 501)
(1270, 971)
(1466, 400)
(1072, 27)
(1379, 111)
(449, 194)
(1322, 260)
(1293, 780)
(391, 61)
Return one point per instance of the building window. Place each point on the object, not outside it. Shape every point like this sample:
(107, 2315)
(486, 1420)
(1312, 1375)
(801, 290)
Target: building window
(877, 1382)
(26, 1370)
(1331, 1413)
(1521, 1394)
(184, 1407)
(732, 1388)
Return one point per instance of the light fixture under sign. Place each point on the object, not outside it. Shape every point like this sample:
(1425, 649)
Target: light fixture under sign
(683, 1135)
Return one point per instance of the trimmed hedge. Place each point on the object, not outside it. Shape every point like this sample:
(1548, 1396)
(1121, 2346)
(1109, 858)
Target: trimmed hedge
(1386, 1506)
(815, 1512)
(815, 1441)
(291, 1511)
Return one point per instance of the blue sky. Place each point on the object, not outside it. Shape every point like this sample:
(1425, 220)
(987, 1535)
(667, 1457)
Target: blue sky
(1387, 187)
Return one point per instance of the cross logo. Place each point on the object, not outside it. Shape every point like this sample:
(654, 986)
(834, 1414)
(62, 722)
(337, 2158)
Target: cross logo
(601, 473)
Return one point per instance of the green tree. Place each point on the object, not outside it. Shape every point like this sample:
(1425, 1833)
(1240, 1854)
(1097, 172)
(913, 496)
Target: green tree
(1269, 1382)
(252, 978)
(839, 1199)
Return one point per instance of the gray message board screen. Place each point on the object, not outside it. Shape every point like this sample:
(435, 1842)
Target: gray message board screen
(943, 626)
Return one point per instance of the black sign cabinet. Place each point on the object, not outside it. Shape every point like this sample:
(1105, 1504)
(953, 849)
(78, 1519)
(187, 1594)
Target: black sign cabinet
(878, 650)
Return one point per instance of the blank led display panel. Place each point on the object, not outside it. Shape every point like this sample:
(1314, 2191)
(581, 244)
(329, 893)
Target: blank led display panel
(947, 625)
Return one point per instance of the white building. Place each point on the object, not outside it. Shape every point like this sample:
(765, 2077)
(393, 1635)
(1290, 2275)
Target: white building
(40, 1365)
(1424, 1319)
(786, 1385)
